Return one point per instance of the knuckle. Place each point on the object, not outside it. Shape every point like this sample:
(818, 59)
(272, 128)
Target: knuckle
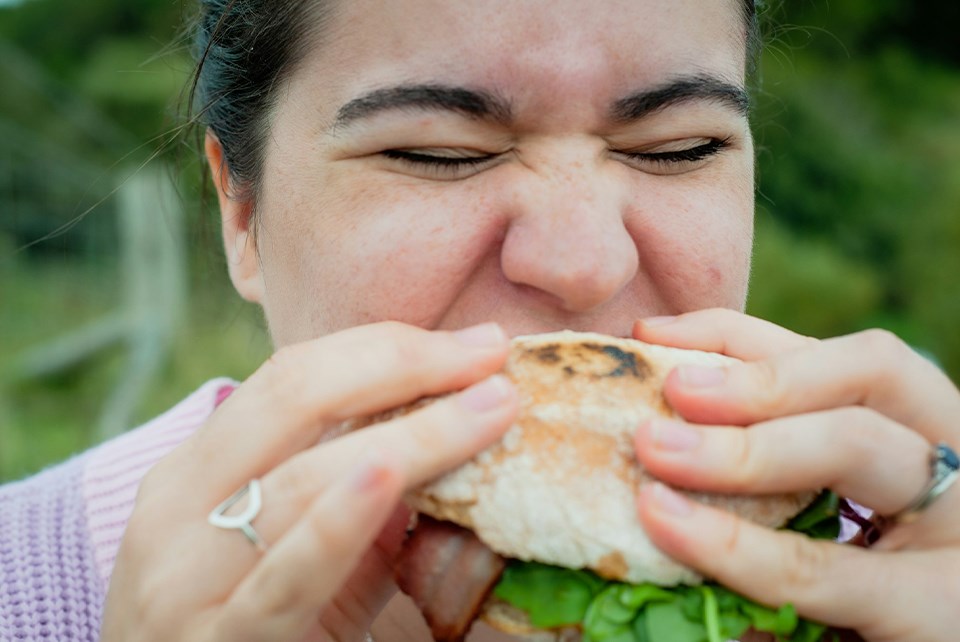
(275, 595)
(397, 336)
(294, 481)
(857, 430)
(881, 341)
(428, 433)
(333, 539)
(747, 460)
(394, 345)
(859, 434)
(283, 377)
(722, 319)
(285, 360)
(156, 601)
(730, 543)
(805, 563)
(721, 314)
(767, 383)
(395, 329)
(886, 349)
(423, 427)
(808, 341)
(153, 499)
(406, 350)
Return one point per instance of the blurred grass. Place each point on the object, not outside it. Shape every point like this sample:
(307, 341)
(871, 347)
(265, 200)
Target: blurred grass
(49, 419)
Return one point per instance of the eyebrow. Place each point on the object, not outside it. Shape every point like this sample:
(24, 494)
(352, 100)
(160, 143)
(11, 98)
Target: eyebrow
(683, 89)
(484, 105)
(469, 102)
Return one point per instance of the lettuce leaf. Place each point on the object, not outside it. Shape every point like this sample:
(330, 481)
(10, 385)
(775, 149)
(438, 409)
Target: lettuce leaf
(819, 520)
(552, 597)
(608, 611)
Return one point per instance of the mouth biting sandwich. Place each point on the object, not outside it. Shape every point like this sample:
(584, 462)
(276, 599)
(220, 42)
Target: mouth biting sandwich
(538, 535)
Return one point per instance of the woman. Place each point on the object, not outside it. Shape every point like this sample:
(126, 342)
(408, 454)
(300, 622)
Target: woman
(395, 176)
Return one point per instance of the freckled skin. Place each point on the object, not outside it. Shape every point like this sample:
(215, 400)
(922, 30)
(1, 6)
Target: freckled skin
(557, 235)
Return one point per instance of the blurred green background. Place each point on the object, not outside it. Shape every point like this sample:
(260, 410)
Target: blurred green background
(857, 123)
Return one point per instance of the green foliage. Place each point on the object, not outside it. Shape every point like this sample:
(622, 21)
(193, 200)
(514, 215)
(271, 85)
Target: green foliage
(808, 285)
(859, 203)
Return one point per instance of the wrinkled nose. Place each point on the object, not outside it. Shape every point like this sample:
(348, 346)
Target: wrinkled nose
(567, 237)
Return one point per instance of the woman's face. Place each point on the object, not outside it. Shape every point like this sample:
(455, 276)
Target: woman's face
(546, 164)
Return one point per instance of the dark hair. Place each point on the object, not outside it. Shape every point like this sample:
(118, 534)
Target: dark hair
(246, 49)
(750, 19)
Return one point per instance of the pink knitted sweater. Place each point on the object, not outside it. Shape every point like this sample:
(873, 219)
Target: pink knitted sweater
(60, 530)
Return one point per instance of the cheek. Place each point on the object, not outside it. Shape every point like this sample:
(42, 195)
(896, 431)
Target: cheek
(696, 246)
(387, 252)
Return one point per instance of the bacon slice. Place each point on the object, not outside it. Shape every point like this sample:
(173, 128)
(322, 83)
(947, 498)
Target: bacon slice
(449, 573)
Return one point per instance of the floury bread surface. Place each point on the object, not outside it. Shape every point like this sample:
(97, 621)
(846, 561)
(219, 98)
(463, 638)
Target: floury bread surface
(560, 487)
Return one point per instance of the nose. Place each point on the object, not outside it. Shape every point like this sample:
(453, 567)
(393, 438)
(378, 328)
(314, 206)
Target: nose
(567, 235)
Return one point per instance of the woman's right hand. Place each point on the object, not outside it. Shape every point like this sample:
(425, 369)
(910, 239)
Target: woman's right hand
(331, 516)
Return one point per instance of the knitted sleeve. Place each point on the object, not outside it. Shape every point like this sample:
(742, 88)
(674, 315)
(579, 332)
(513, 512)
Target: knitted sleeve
(60, 530)
(49, 585)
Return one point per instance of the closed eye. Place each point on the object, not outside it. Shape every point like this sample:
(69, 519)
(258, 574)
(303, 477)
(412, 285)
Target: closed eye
(449, 164)
(679, 160)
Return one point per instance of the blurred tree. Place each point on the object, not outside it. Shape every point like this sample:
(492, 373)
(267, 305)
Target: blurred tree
(857, 157)
(928, 29)
(86, 100)
(67, 48)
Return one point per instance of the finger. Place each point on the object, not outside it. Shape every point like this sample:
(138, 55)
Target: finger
(721, 330)
(872, 369)
(371, 586)
(282, 598)
(843, 586)
(304, 390)
(869, 458)
(423, 445)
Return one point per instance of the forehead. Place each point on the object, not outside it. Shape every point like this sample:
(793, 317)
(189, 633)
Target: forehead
(530, 51)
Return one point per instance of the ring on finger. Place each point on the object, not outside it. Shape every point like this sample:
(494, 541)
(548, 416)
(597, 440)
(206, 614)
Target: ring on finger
(242, 521)
(944, 472)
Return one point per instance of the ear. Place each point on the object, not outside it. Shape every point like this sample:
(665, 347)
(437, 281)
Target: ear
(236, 216)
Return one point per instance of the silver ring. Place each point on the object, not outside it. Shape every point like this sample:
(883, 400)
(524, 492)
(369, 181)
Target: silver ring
(944, 472)
(243, 521)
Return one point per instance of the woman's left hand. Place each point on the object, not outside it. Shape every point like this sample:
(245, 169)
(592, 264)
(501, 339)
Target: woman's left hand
(858, 414)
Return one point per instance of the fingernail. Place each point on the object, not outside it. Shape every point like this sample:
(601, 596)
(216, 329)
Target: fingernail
(673, 435)
(652, 322)
(487, 394)
(701, 376)
(485, 335)
(671, 501)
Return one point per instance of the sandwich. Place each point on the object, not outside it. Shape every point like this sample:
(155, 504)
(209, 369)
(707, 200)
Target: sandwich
(538, 535)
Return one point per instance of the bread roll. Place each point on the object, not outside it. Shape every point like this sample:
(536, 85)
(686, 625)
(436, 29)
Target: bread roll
(560, 487)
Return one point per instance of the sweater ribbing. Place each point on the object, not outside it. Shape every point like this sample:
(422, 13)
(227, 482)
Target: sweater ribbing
(60, 530)
(50, 586)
